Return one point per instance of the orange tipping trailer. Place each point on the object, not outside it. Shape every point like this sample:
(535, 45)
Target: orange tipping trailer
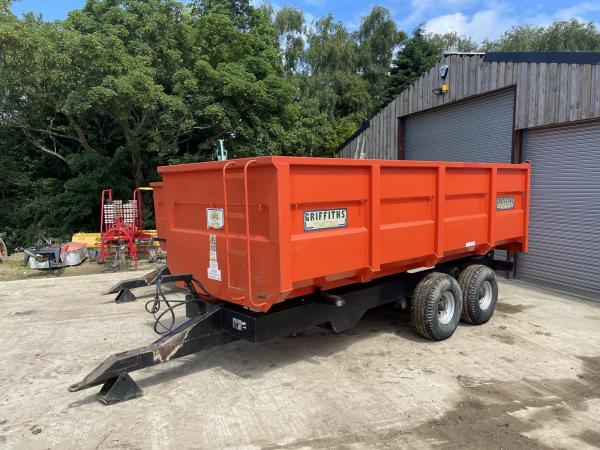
(259, 231)
(273, 245)
(161, 218)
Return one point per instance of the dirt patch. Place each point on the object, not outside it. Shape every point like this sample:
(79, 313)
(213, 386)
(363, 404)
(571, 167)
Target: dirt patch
(509, 308)
(487, 416)
(592, 317)
(484, 417)
(504, 338)
(590, 437)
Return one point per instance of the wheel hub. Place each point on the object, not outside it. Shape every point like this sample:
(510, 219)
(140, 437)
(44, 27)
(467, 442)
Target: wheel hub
(485, 295)
(446, 307)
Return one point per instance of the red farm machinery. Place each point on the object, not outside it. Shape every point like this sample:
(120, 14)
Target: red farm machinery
(122, 228)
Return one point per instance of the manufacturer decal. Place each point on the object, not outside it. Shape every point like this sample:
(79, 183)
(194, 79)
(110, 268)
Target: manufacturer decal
(214, 218)
(325, 218)
(213, 264)
(505, 202)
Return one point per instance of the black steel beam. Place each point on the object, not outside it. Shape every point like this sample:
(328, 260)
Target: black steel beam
(147, 280)
(199, 333)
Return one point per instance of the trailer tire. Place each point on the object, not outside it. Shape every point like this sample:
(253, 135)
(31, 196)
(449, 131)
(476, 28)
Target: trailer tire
(436, 306)
(480, 293)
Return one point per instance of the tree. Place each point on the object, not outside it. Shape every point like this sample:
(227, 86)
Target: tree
(418, 55)
(334, 96)
(453, 42)
(377, 38)
(291, 28)
(560, 36)
(122, 86)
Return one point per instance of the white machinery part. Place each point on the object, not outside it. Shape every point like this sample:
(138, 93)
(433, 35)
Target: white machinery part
(3, 251)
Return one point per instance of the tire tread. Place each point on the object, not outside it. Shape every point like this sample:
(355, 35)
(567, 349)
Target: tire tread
(423, 311)
(469, 281)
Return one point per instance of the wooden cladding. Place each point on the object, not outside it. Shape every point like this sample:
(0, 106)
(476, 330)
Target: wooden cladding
(546, 94)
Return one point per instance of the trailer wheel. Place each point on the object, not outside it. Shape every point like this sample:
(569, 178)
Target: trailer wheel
(480, 293)
(436, 306)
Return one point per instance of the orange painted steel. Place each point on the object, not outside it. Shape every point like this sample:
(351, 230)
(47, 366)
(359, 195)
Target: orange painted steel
(160, 214)
(259, 231)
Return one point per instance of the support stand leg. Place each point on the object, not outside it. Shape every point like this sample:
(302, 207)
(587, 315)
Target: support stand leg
(125, 296)
(119, 389)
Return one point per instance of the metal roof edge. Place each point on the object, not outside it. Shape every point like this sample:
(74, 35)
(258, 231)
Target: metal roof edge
(544, 57)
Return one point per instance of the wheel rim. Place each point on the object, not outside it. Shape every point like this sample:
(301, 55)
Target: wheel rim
(446, 307)
(485, 295)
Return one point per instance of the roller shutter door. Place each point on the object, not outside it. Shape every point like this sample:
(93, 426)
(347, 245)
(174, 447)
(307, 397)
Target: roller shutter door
(477, 130)
(564, 225)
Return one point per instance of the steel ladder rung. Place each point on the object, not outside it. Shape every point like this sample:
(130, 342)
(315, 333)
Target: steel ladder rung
(245, 216)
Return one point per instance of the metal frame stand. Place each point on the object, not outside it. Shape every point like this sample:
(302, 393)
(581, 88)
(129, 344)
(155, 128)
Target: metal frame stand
(119, 389)
(123, 288)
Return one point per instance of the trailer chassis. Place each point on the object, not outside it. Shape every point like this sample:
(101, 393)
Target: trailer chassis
(213, 323)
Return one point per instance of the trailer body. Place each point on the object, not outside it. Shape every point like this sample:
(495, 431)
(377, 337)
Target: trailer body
(259, 231)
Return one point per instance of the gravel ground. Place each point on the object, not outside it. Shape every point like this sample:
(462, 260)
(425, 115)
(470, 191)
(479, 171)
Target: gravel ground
(530, 378)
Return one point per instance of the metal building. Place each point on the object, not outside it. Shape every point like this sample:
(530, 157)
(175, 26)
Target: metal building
(512, 107)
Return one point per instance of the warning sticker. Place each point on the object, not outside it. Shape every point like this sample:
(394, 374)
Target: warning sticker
(214, 274)
(213, 264)
(214, 218)
(505, 202)
(325, 218)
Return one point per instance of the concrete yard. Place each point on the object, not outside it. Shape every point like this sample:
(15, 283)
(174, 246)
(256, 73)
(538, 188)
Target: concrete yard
(530, 378)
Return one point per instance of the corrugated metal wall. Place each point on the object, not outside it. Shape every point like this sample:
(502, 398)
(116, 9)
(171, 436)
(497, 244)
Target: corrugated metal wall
(564, 225)
(476, 130)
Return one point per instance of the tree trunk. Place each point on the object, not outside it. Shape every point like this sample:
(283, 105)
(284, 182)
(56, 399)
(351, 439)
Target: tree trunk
(137, 162)
(133, 142)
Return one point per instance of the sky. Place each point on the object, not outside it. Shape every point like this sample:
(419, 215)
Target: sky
(477, 19)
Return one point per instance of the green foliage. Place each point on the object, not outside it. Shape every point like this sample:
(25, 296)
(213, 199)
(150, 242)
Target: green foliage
(418, 55)
(121, 86)
(453, 42)
(290, 25)
(558, 37)
(377, 40)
